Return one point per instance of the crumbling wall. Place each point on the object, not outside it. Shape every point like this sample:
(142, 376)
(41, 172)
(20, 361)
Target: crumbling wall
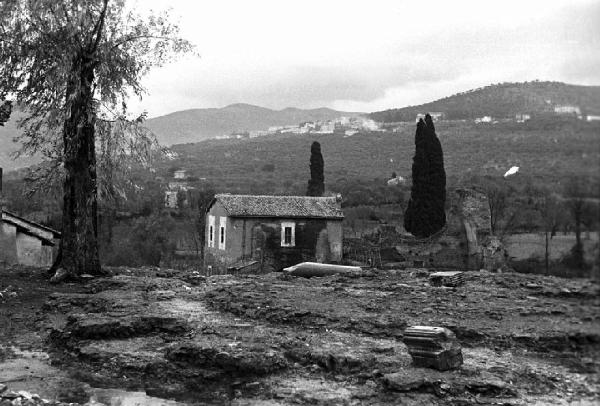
(465, 243)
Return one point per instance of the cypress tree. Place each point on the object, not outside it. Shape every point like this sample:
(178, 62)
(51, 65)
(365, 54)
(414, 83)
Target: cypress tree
(316, 184)
(425, 214)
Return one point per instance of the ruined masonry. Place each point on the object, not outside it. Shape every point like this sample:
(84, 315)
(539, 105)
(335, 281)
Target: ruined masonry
(433, 347)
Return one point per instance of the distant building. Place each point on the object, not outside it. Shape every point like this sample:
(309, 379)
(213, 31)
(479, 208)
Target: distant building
(484, 119)
(567, 109)
(171, 199)
(258, 133)
(398, 180)
(179, 185)
(326, 128)
(590, 117)
(180, 174)
(522, 117)
(272, 232)
(435, 116)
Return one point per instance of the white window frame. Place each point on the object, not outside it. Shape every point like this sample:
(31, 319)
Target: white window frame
(222, 232)
(211, 231)
(292, 225)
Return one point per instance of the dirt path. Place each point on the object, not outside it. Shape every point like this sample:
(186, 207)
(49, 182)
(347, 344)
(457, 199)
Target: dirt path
(24, 362)
(269, 340)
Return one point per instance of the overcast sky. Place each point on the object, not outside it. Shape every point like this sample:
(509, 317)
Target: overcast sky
(368, 55)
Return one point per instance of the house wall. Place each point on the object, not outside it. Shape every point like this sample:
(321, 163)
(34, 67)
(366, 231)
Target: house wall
(260, 239)
(8, 243)
(213, 256)
(31, 251)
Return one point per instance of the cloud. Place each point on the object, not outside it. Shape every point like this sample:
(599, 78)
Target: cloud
(369, 55)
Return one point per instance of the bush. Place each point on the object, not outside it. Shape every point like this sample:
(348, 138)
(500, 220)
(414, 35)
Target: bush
(268, 168)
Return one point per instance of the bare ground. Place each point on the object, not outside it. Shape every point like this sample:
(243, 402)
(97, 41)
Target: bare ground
(267, 340)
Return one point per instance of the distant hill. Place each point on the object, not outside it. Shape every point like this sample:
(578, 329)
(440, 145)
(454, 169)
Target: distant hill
(548, 151)
(189, 126)
(199, 124)
(503, 101)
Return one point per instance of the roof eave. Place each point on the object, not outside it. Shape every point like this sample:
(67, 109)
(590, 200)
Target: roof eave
(287, 217)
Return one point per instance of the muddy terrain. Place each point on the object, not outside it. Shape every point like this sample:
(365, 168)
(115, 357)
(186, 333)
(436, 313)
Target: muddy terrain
(272, 339)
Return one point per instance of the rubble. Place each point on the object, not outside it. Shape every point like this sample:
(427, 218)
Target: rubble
(270, 339)
(24, 398)
(433, 347)
(450, 279)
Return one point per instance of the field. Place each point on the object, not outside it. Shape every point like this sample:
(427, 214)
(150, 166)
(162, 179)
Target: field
(275, 340)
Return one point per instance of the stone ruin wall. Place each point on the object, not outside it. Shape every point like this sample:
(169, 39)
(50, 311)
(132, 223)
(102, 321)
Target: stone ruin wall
(466, 243)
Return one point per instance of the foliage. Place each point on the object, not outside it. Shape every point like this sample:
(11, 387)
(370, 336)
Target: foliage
(316, 183)
(582, 211)
(71, 65)
(425, 214)
(146, 242)
(5, 110)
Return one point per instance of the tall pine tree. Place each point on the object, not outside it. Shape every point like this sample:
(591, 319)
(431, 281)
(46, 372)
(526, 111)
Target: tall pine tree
(316, 184)
(425, 214)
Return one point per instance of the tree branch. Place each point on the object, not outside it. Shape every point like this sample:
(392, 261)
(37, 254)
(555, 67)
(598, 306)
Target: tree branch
(97, 31)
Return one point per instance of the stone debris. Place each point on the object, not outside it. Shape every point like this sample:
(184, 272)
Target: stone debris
(312, 269)
(433, 347)
(451, 279)
(24, 398)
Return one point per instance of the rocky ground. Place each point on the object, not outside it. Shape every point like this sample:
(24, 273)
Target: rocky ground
(271, 339)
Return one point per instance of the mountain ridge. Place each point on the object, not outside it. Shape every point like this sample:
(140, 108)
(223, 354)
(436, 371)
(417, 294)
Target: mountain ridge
(503, 100)
(194, 125)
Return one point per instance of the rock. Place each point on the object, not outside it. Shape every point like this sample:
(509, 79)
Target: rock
(10, 395)
(400, 382)
(494, 253)
(60, 276)
(314, 269)
(3, 388)
(433, 347)
(102, 327)
(451, 279)
(491, 388)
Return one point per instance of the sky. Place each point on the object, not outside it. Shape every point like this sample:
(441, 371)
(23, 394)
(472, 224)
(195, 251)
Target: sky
(368, 55)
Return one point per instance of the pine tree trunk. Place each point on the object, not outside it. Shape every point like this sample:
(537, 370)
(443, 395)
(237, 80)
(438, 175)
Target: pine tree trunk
(79, 241)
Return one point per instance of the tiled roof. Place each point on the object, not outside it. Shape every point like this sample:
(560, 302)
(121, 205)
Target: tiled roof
(281, 206)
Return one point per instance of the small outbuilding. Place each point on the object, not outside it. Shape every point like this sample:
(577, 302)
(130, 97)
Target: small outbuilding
(269, 233)
(25, 242)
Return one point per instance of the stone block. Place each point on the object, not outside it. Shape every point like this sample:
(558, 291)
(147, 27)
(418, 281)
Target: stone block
(451, 279)
(433, 347)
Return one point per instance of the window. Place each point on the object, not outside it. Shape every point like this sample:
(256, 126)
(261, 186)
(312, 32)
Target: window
(222, 226)
(211, 231)
(288, 234)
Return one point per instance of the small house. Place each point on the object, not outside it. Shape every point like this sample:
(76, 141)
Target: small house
(27, 243)
(24, 241)
(435, 116)
(272, 232)
(567, 109)
(179, 174)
